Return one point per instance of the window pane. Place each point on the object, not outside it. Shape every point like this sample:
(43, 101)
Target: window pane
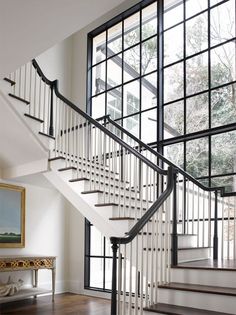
(173, 13)
(114, 40)
(222, 22)
(132, 30)
(96, 272)
(173, 82)
(98, 106)
(149, 55)
(149, 126)
(132, 63)
(197, 113)
(114, 71)
(96, 242)
(229, 182)
(99, 48)
(223, 64)
(98, 78)
(131, 98)
(197, 34)
(197, 74)
(223, 153)
(149, 21)
(174, 120)
(149, 91)
(108, 273)
(114, 103)
(174, 52)
(132, 125)
(175, 153)
(223, 106)
(195, 6)
(197, 157)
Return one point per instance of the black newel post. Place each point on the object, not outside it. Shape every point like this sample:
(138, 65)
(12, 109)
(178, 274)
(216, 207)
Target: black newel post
(174, 232)
(215, 238)
(51, 128)
(114, 277)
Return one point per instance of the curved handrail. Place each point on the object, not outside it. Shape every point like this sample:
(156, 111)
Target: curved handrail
(54, 85)
(180, 170)
(151, 211)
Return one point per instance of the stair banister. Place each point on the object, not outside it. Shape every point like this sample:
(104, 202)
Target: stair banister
(117, 241)
(96, 123)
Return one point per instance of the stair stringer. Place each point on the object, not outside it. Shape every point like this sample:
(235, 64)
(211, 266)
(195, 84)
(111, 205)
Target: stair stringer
(107, 227)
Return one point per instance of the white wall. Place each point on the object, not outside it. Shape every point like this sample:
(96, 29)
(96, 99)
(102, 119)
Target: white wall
(79, 53)
(51, 229)
(56, 63)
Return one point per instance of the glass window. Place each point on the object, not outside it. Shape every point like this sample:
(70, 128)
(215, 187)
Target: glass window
(223, 153)
(174, 120)
(132, 30)
(197, 161)
(114, 71)
(223, 106)
(197, 113)
(149, 21)
(197, 34)
(114, 39)
(132, 63)
(131, 98)
(174, 52)
(131, 124)
(98, 106)
(114, 103)
(175, 153)
(99, 48)
(149, 55)
(173, 82)
(195, 6)
(149, 91)
(99, 78)
(173, 13)
(222, 22)
(149, 126)
(223, 64)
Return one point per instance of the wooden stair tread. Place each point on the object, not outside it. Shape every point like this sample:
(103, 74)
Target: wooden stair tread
(78, 179)
(91, 191)
(180, 310)
(34, 118)
(19, 98)
(121, 219)
(9, 81)
(56, 158)
(67, 168)
(46, 135)
(209, 264)
(107, 204)
(199, 288)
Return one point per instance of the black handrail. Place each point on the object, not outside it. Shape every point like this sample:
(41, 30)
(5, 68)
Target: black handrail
(116, 241)
(54, 86)
(161, 157)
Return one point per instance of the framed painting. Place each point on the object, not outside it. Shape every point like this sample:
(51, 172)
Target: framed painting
(12, 216)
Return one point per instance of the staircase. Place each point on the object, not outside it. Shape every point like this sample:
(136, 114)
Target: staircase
(165, 227)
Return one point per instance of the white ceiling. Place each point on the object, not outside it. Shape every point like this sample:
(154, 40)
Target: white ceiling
(29, 27)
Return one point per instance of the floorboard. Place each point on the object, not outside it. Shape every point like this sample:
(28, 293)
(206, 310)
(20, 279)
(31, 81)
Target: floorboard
(64, 304)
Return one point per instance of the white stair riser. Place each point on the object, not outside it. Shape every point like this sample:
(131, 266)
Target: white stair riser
(206, 301)
(203, 277)
(182, 243)
(193, 254)
(187, 241)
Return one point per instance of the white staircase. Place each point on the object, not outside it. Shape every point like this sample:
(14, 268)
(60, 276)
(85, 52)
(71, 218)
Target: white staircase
(114, 184)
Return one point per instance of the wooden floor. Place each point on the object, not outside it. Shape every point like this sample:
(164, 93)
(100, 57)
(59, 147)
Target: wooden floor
(210, 264)
(64, 304)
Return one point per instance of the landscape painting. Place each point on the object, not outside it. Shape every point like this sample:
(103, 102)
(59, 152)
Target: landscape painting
(12, 216)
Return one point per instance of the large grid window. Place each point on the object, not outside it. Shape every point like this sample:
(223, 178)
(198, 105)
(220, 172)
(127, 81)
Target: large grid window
(166, 71)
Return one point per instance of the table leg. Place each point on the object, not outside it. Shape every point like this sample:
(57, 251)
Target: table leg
(53, 282)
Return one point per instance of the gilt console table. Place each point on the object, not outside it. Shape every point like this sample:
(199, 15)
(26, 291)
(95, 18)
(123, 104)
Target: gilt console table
(34, 264)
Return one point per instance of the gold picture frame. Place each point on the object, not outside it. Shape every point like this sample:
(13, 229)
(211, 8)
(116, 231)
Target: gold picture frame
(12, 214)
